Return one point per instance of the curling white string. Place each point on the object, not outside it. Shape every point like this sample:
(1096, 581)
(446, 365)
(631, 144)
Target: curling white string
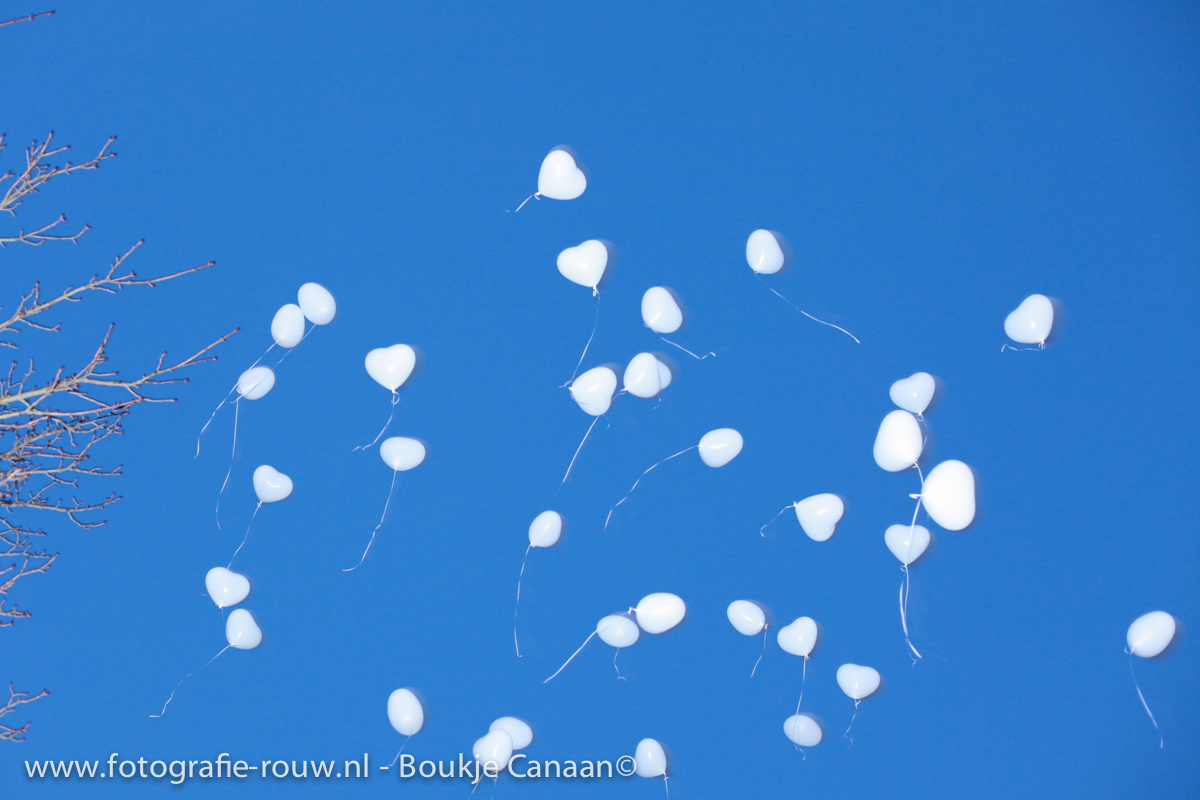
(639, 480)
(572, 658)
(247, 536)
(764, 650)
(764, 527)
(397, 758)
(684, 349)
(381, 519)
(851, 725)
(904, 587)
(805, 313)
(395, 399)
(518, 605)
(1143, 699)
(185, 677)
(595, 324)
(577, 449)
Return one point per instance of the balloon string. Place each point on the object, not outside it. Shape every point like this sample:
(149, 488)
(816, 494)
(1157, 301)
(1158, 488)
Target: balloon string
(851, 725)
(1041, 346)
(227, 396)
(764, 651)
(572, 658)
(595, 324)
(918, 466)
(684, 349)
(538, 195)
(619, 676)
(185, 677)
(381, 519)
(516, 644)
(577, 449)
(803, 678)
(805, 313)
(290, 349)
(395, 399)
(397, 758)
(247, 536)
(1143, 699)
(639, 480)
(232, 452)
(764, 527)
(904, 587)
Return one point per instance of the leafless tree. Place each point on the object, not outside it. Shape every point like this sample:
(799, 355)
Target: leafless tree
(50, 424)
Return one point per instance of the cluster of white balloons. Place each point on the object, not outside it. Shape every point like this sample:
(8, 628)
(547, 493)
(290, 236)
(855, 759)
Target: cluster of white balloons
(655, 613)
(505, 736)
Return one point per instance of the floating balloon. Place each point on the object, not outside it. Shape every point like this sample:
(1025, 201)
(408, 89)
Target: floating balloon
(799, 638)
(914, 393)
(593, 390)
(651, 759)
(317, 303)
(270, 485)
(659, 612)
(655, 613)
(401, 454)
(1030, 322)
(405, 712)
(493, 751)
(560, 178)
(255, 382)
(644, 376)
(543, 532)
(584, 264)
(660, 312)
(746, 617)
(391, 366)
(907, 542)
(819, 515)
(763, 252)
(618, 630)
(226, 588)
(803, 730)
(1150, 634)
(241, 631)
(287, 328)
(898, 444)
(949, 495)
(857, 682)
(517, 729)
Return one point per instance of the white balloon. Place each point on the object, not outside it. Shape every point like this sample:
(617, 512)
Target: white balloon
(650, 758)
(405, 712)
(1150, 634)
(517, 729)
(585, 263)
(241, 631)
(799, 638)
(949, 495)
(763, 252)
(401, 453)
(898, 444)
(819, 515)
(803, 730)
(496, 747)
(545, 529)
(560, 178)
(593, 390)
(913, 393)
(857, 682)
(664, 376)
(617, 630)
(270, 485)
(905, 547)
(255, 382)
(746, 617)
(660, 612)
(317, 303)
(643, 376)
(226, 588)
(660, 312)
(719, 447)
(1030, 322)
(287, 328)
(391, 366)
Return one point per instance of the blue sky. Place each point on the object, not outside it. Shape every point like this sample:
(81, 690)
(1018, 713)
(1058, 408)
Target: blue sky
(929, 165)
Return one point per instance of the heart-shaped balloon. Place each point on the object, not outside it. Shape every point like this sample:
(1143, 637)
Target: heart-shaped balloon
(545, 529)
(593, 390)
(660, 612)
(391, 366)
(949, 495)
(763, 252)
(803, 730)
(819, 515)
(643, 376)
(241, 631)
(585, 263)
(617, 630)
(1150, 634)
(719, 447)
(405, 712)
(287, 328)
(907, 542)
(271, 485)
(913, 393)
(746, 617)
(660, 312)
(317, 303)
(650, 760)
(226, 588)
(1030, 322)
(518, 730)
(493, 751)
(799, 638)
(255, 382)
(857, 682)
(402, 453)
(898, 444)
(560, 178)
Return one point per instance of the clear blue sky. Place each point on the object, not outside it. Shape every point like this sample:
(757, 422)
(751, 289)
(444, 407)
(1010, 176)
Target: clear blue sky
(930, 165)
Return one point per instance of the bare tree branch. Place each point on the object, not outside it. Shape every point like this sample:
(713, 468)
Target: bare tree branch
(38, 171)
(15, 700)
(29, 18)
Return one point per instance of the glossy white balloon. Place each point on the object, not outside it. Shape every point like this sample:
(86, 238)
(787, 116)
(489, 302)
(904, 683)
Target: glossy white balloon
(1150, 634)
(660, 312)
(585, 263)
(317, 303)
(857, 682)
(650, 758)
(803, 730)
(664, 376)
(898, 444)
(1030, 322)
(617, 630)
(799, 638)
(225, 587)
(746, 617)
(643, 376)
(914, 393)
(405, 712)
(660, 612)
(949, 495)
(819, 515)
(287, 328)
(719, 447)
(908, 548)
(517, 729)
(593, 390)
(545, 529)
(255, 382)
(271, 485)
(763, 252)
(560, 178)
(391, 366)
(401, 453)
(241, 631)
(496, 747)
